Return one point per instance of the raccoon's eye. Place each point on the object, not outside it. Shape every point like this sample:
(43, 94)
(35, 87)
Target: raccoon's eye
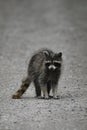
(57, 64)
(47, 64)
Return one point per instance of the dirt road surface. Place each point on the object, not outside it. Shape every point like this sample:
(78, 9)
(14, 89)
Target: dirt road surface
(26, 26)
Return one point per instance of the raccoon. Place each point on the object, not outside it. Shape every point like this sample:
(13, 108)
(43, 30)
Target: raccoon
(44, 71)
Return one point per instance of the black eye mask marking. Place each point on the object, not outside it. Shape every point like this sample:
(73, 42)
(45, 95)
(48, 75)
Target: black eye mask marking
(53, 65)
(57, 64)
(47, 63)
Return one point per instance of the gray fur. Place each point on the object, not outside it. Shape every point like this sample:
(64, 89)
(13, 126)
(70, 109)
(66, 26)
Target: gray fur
(44, 70)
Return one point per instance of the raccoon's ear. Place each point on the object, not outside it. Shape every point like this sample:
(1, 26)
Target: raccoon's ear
(59, 54)
(46, 53)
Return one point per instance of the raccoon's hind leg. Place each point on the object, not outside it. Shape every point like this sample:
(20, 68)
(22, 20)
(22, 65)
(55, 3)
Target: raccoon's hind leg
(25, 84)
(41, 92)
(37, 88)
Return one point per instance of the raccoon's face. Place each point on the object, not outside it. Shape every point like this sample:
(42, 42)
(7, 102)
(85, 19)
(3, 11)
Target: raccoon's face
(54, 62)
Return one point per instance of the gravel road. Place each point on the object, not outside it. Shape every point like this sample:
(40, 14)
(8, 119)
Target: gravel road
(26, 26)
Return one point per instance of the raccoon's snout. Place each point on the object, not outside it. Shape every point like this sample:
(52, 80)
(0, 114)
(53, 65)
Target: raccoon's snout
(52, 67)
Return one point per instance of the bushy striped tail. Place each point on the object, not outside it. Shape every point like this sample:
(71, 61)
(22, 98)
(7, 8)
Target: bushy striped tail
(25, 84)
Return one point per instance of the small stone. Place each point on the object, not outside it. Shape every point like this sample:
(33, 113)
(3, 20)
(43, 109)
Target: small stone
(49, 110)
(15, 122)
(73, 109)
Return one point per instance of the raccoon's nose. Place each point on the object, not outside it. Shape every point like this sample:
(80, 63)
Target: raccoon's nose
(53, 67)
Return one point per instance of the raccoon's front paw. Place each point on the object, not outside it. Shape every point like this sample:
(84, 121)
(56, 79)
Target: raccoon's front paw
(15, 96)
(56, 97)
(46, 97)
